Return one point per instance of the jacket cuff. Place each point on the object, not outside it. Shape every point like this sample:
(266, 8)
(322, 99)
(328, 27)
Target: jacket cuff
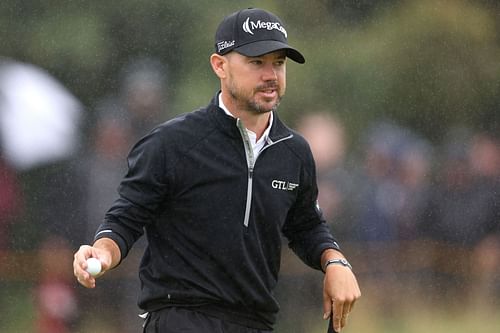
(119, 240)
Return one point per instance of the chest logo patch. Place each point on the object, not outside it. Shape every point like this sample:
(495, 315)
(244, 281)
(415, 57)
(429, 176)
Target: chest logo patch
(284, 185)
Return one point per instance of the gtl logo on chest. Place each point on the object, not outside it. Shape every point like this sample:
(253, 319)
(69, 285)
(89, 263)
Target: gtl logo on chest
(283, 185)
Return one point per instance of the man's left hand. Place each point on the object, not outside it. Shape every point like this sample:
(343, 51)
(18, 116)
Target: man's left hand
(340, 292)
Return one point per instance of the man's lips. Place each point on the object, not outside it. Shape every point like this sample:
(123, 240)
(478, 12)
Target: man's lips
(268, 91)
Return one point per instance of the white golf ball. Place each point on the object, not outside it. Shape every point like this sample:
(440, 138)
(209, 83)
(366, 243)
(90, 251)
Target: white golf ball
(93, 266)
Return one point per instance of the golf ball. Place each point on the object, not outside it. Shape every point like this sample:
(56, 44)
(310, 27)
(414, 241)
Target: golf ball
(93, 266)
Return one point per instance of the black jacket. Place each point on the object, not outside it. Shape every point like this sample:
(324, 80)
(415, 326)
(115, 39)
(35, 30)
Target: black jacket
(214, 216)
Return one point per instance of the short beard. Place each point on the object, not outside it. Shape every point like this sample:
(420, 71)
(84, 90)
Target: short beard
(249, 104)
(257, 108)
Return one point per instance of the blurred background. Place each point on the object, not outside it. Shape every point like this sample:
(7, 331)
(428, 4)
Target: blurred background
(400, 101)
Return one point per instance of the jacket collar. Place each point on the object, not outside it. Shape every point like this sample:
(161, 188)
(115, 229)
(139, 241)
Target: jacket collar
(279, 130)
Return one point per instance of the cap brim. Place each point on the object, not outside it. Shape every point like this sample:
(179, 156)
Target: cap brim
(259, 48)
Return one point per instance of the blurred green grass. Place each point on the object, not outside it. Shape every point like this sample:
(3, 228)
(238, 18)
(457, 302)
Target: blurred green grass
(400, 312)
(413, 314)
(409, 313)
(16, 307)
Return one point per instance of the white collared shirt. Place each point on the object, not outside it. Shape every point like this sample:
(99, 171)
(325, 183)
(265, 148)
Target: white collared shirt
(256, 145)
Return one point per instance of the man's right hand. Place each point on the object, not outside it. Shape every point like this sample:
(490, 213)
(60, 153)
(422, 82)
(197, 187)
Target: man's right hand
(105, 250)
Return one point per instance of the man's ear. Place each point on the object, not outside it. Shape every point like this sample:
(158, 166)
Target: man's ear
(217, 61)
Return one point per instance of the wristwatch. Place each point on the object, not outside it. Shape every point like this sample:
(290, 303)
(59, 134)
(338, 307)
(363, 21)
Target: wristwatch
(340, 261)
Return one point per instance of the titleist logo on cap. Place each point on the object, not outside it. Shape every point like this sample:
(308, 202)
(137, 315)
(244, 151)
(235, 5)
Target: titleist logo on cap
(224, 45)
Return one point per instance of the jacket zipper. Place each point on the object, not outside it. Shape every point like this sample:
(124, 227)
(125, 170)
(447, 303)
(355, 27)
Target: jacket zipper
(250, 164)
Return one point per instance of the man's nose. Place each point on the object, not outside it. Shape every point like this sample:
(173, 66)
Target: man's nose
(269, 73)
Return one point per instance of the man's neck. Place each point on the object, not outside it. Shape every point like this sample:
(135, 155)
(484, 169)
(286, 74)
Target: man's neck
(253, 121)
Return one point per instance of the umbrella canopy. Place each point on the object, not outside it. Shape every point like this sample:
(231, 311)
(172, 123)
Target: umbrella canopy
(39, 117)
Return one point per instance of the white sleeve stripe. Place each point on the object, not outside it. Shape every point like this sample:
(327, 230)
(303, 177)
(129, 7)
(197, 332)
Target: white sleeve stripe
(103, 232)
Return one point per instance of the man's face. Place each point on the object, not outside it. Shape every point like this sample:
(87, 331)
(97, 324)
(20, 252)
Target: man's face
(256, 84)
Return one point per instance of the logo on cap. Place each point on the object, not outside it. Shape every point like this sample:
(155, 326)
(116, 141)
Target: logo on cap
(250, 26)
(224, 45)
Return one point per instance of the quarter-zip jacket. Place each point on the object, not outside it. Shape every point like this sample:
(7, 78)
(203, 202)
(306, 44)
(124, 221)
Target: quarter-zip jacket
(214, 215)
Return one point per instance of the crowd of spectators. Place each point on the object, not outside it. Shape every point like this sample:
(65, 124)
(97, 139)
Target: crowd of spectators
(412, 212)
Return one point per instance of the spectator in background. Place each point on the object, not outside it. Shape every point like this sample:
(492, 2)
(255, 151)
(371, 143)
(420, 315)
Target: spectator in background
(143, 94)
(392, 189)
(379, 191)
(413, 175)
(394, 184)
(110, 140)
(326, 136)
(120, 121)
(463, 213)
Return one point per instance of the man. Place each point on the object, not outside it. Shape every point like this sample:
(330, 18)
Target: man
(214, 190)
